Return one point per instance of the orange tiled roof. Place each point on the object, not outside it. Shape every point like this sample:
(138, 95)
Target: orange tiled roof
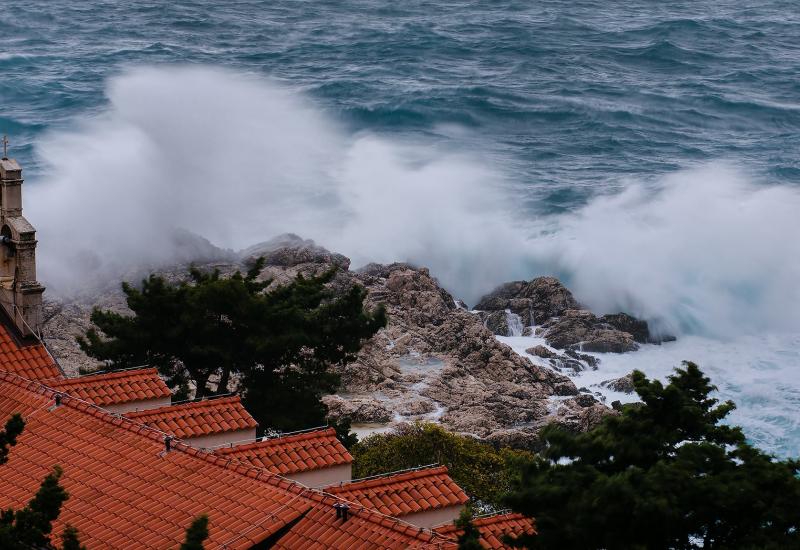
(127, 492)
(405, 493)
(197, 418)
(494, 528)
(320, 529)
(115, 387)
(293, 453)
(29, 361)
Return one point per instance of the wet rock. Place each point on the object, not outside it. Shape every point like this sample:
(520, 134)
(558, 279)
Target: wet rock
(623, 384)
(588, 359)
(534, 301)
(496, 321)
(541, 351)
(580, 330)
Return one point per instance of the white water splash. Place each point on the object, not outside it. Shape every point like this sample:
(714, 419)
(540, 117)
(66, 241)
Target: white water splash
(514, 323)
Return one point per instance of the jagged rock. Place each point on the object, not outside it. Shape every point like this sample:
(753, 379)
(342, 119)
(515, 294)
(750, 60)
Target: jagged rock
(290, 250)
(580, 330)
(496, 321)
(623, 384)
(435, 359)
(588, 359)
(535, 302)
(361, 409)
(417, 407)
(541, 351)
(581, 413)
(547, 303)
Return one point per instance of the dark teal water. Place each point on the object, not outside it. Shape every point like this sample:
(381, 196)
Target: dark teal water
(570, 96)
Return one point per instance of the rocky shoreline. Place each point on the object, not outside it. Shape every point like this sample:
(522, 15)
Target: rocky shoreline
(436, 360)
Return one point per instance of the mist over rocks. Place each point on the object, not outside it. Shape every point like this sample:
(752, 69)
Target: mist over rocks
(434, 361)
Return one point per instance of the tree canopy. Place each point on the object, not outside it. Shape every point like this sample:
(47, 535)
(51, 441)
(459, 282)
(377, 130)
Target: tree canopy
(8, 436)
(664, 473)
(281, 341)
(483, 471)
(30, 527)
(196, 534)
(470, 537)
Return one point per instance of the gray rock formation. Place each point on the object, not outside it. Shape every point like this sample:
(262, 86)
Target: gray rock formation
(549, 305)
(623, 384)
(535, 302)
(434, 361)
(581, 330)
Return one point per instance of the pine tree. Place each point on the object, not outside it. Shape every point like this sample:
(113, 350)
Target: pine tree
(8, 437)
(664, 473)
(470, 537)
(30, 527)
(196, 534)
(282, 342)
(70, 539)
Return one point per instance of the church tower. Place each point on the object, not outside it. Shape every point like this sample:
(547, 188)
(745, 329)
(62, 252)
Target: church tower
(20, 293)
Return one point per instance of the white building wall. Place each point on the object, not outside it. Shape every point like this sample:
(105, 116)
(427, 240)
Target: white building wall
(144, 405)
(225, 438)
(433, 518)
(324, 477)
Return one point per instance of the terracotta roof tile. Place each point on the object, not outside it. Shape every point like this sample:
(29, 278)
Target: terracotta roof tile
(126, 492)
(198, 418)
(293, 453)
(405, 493)
(31, 361)
(494, 528)
(320, 529)
(115, 387)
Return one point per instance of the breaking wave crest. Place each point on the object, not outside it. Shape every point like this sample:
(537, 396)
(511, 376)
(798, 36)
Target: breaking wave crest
(238, 159)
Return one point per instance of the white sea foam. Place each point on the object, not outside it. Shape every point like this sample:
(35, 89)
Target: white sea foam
(759, 373)
(705, 251)
(239, 159)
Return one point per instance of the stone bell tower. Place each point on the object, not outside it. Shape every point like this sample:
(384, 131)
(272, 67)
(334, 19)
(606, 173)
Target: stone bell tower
(20, 293)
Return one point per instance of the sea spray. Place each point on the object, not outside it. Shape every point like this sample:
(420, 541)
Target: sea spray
(704, 251)
(237, 159)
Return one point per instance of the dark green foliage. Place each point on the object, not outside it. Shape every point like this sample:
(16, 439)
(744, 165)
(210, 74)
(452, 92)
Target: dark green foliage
(8, 437)
(484, 472)
(282, 342)
(196, 534)
(30, 527)
(665, 473)
(70, 539)
(470, 537)
(342, 427)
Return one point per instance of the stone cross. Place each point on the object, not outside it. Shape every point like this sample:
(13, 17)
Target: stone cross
(5, 147)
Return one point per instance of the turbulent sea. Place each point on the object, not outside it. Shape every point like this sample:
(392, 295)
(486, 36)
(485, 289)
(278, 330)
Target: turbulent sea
(644, 152)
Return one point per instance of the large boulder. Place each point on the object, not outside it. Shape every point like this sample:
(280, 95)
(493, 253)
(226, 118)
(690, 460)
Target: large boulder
(624, 384)
(581, 330)
(535, 301)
